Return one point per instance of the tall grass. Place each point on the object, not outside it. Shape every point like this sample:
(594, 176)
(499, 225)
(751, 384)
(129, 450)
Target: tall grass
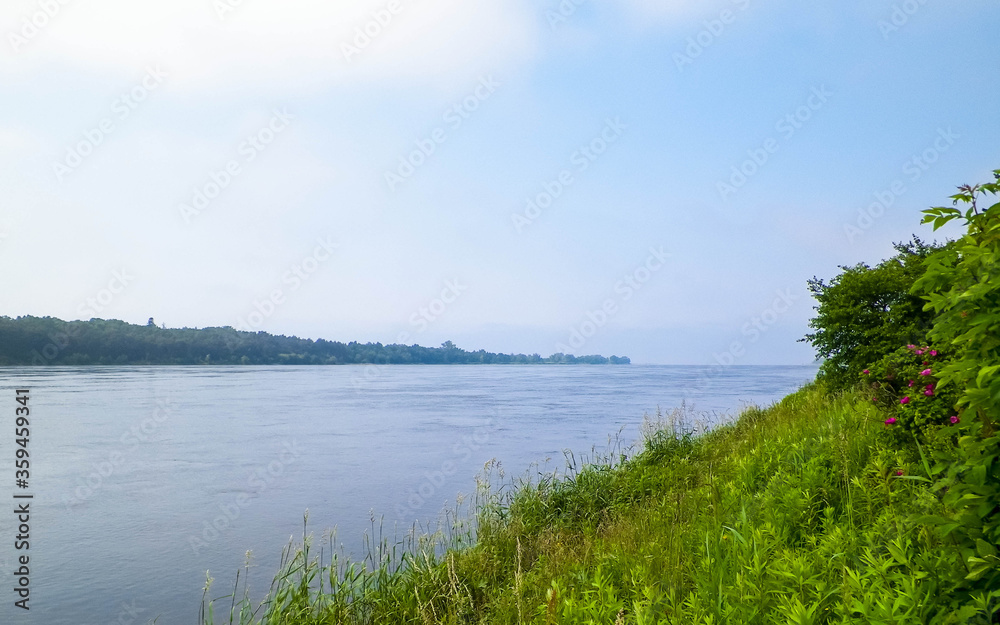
(804, 512)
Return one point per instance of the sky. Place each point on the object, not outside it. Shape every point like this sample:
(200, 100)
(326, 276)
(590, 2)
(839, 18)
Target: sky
(656, 179)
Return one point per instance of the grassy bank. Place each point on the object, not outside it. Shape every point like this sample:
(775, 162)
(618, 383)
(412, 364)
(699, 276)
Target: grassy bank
(804, 512)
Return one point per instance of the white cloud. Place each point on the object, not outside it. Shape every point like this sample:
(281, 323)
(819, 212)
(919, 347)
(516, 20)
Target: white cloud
(264, 44)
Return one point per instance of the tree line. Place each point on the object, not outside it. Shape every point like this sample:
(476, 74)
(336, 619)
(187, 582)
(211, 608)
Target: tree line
(30, 340)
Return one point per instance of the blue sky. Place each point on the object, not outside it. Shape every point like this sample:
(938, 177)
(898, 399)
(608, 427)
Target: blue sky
(690, 165)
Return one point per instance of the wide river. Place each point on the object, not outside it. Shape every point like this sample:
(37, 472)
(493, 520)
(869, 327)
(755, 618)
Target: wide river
(133, 470)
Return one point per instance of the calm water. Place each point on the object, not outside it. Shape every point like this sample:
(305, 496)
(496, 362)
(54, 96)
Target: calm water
(131, 465)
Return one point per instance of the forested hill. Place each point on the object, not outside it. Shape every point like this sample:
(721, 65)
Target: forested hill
(50, 341)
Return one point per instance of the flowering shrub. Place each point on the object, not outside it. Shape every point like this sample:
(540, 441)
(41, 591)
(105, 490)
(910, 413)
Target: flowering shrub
(947, 394)
(866, 312)
(905, 384)
(962, 283)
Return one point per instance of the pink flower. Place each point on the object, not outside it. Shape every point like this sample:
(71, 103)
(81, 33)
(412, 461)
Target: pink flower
(899, 472)
(911, 347)
(929, 393)
(874, 400)
(925, 372)
(933, 352)
(911, 383)
(890, 420)
(865, 372)
(905, 401)
(920, 352)
(954, 419)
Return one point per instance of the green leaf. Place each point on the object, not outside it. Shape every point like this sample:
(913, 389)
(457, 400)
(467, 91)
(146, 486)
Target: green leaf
(984, 549)
(897, 552)
(977, 566)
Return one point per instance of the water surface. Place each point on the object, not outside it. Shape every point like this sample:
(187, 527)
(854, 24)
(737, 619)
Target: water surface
(132, 466)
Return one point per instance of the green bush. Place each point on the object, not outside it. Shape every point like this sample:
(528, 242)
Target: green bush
(866, 312)
(906, 386)
(963, 290)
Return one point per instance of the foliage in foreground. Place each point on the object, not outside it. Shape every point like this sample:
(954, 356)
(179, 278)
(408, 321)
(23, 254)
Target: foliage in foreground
(800, 513)
(958, 376)
(964, 288)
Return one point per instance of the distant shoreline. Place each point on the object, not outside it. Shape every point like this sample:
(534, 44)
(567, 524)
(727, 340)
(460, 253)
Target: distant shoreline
(48, 341)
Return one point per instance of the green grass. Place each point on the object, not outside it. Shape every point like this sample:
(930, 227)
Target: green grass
(791, 514)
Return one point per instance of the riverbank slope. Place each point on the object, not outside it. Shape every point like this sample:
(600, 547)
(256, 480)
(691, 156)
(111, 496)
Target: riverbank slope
(807, 511)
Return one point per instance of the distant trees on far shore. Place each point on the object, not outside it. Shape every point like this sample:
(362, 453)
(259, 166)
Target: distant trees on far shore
(49, 341)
